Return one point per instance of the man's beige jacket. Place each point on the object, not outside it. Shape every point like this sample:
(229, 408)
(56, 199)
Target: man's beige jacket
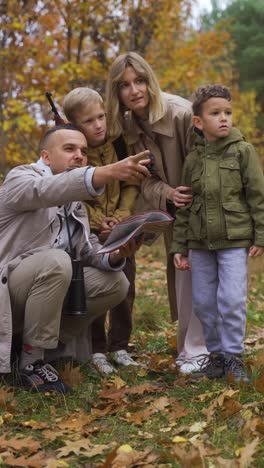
(29, 204)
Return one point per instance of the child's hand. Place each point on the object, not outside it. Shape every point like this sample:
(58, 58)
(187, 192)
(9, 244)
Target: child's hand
(108, 223)
(181, 262)
(255, 251)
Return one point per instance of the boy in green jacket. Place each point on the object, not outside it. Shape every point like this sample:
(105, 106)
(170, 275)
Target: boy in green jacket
(224, 221)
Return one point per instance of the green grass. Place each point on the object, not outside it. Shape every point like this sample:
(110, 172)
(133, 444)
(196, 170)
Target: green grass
(153, 343)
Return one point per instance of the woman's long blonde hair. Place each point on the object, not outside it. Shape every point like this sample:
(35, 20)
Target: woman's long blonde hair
(115, 110)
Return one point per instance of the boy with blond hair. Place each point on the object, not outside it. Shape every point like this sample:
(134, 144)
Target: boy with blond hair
(85, 107)
(223, 223)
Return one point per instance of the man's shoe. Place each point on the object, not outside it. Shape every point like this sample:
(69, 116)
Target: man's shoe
(122, 358)
(101, 364)
(235, 370)
(211, 366)
(41, 377)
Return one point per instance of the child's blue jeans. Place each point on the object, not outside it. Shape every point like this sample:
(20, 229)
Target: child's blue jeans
(219, 282)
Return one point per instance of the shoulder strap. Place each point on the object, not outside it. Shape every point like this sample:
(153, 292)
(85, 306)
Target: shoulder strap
(120, 148)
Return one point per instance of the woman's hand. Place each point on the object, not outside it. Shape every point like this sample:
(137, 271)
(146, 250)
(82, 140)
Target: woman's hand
(255, 251)
(180, 198)
(181, 262)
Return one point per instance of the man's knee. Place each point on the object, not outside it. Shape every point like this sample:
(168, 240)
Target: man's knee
(58, 263)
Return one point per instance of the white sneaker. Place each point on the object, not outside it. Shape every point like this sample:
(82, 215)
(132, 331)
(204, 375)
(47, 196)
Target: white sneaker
(122, 358)
(101, 364)
(180, 359)
(189, 366)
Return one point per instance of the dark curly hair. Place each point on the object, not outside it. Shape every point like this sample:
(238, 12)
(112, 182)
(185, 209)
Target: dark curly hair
(203, 93)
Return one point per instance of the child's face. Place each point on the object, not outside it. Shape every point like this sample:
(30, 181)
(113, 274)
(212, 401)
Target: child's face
(93, 122)
(216, 119)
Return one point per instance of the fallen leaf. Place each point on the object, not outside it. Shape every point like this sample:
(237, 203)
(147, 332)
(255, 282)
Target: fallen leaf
(81, 446)
(179, 411)
(221, 462)
(34, 424)
(230, 407)
(179, 440)
(7, 400)
(124, 449)
(133, 459)
(118, 382)
(28, 444)
(161, 403)
(36, 461)
(53, 463)
(205, 396)
(259, 382)
(76, 422)
(140, 416)
(198, 427)
(113, 393)
(218, 402)
(247, 453)
(71, 375)
(189, 457)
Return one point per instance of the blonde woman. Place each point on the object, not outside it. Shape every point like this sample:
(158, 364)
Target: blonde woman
(161, 123)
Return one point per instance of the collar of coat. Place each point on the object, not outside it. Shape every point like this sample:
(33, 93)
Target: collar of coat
(164, 126)
(43, 167)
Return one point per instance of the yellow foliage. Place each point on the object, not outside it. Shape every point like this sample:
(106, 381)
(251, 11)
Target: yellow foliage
(85, 38)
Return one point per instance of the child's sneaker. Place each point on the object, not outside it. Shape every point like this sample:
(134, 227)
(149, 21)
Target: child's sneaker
(101, 364)
(211, 366)
(235, 370)
(189, 366)
(122, 358)
(41, 377)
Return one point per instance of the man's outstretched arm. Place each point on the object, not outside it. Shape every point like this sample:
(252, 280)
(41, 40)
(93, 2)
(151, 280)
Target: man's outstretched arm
(130, 168)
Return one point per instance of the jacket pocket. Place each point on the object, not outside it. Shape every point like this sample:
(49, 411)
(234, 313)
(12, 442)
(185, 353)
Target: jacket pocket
(195, 222)
(230, 173)
(196, 181)
(238, 221)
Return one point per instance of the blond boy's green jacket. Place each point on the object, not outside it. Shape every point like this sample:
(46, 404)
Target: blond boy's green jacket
(227, 209)
(118, 199)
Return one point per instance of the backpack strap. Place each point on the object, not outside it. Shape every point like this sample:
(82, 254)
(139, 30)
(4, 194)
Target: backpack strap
(120, 148)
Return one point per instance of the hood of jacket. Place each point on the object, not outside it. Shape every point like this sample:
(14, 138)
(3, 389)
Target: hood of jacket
(220, 145)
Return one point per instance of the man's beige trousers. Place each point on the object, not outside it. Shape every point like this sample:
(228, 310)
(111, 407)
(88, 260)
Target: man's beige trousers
(37, 289)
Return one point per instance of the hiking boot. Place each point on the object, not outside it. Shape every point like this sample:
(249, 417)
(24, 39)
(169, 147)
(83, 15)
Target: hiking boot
(212, 366)
(122, 358)
(101, 364)
(41, 377)
(235, 370)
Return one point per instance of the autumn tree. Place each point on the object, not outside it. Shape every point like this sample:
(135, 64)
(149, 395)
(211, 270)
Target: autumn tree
(56, 46)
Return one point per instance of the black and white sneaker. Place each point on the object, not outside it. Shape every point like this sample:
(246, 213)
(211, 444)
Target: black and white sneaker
(212, 366)
(41, 377)
(235, 370)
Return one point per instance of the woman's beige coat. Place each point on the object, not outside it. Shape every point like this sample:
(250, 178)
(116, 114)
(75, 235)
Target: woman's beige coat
(170, 145)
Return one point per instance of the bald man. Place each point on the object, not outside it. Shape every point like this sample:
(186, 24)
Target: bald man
(35, 265)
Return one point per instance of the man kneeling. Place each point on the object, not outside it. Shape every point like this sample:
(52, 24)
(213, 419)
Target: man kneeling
(35, 268)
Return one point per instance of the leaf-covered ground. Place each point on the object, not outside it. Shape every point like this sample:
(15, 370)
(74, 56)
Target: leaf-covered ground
(149, 416)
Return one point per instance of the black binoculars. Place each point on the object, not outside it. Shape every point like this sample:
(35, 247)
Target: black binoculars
(74, 302)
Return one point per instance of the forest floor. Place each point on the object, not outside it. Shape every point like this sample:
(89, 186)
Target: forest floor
(148, 416)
